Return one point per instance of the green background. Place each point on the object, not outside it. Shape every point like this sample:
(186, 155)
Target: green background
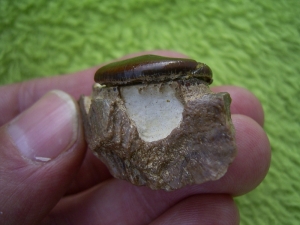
(253, 44)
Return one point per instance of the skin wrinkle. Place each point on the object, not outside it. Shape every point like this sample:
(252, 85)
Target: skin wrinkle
(9, 103)
(23, 92)
(18, 167)
(195, 207)
(28, 93)
(144, 203)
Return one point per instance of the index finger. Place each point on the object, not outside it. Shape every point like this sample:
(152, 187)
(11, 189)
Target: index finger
(15, 98)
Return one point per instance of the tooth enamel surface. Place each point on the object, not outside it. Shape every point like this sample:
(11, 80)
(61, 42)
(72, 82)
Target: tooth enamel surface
(154, 108)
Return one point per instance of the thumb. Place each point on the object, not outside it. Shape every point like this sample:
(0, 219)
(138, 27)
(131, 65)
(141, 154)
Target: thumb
(40, 152)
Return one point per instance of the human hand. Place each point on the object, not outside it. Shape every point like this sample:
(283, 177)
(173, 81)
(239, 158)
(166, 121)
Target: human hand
(48, 177)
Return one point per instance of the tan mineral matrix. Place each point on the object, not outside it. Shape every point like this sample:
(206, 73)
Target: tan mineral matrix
(165, 134)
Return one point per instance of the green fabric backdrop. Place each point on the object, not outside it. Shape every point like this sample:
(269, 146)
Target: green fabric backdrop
(253, 44)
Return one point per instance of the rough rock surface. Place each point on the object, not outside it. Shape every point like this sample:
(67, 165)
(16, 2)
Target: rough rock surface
(198, 150)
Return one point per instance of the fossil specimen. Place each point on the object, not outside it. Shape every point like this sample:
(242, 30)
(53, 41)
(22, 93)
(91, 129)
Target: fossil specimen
(154, 121)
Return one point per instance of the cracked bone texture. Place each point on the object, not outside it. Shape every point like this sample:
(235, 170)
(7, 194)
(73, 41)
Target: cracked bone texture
(165, 136)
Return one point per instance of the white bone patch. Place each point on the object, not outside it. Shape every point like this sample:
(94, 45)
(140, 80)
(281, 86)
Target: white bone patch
(154, 108)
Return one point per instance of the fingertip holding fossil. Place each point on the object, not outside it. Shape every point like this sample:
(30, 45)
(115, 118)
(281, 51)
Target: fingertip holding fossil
(154, 121)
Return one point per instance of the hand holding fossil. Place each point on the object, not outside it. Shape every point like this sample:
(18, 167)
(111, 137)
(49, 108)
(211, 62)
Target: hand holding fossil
(48, 177)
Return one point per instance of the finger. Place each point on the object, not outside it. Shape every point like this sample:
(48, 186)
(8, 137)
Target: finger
(17, 97)
(40, 152)
(250, 107)
(139, 205)
(243, 102)
(119, 201)
(252, 162)
(201, 209)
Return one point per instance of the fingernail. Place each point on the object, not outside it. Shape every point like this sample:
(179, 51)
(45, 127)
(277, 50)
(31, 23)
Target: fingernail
(47, 128)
